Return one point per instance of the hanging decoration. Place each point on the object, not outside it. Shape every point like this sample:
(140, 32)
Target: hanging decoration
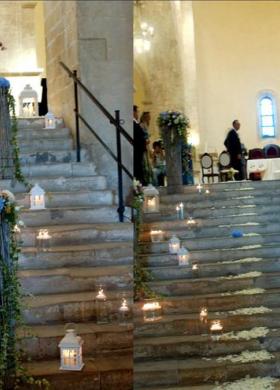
(143, 31)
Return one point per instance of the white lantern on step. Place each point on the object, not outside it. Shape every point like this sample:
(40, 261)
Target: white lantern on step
(151, 310)
(43, 240)
(102, 313)
(37, 198)
(151, 199)
(174, 245)
(183, 256)
(71, 358)
(50, 121)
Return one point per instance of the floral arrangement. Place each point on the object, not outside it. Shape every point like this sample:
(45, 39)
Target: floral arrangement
(173, 120)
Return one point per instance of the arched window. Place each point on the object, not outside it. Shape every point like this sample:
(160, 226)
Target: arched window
(267, 115)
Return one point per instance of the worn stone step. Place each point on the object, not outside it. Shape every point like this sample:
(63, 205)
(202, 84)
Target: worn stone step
(57, 156)
(29, 134)
(186, 346)
(217, 302)
(106, 373)
(189, 324)
(69, 307)
(197, 371)
(215, 285)
(215, 255)
(183, 231)
(80, 234)
(211, 243)
(216, 269)
(63, 184)
(66, 199)
(45, 144)
(59, 169)
(70, 215)
(40, 342)
(89, 255)
(62, 280)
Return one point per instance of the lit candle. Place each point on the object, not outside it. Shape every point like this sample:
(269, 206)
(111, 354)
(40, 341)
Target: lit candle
(151, 204)
(151, 311)
(156, 235)
(123, 312)
(216, 327)
(190, 221)
(203, 315)
(178, 212)
(199, 188)
(207, 192)
(183, 256)
(195, 269)
(181, 211)
(43, 239)
(174, 245)
(101, 296)
(102, 315)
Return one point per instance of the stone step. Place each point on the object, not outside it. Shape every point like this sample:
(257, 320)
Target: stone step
(45, 144)
(197, 371)
(215, 285)
(63, 216)
(29, 134)
(63, 280)
(59, 169)
(186, 346)
(40, 342)
(217, 302)
(183, 231)
(79, 255)
(226, 220)
(80, 234)
(106, 373)
(69, 307)
(59, 184)
(189, 324)
(67, 199)
(30, 123)
(57, 156)
(216, 269)
(212, 243)
(214, 255)
(217, 212)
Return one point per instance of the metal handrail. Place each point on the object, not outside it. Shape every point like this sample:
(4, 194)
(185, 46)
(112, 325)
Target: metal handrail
(115, 121)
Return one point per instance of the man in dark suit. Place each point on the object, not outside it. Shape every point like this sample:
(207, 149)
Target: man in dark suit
(139, 147)
(234, 148)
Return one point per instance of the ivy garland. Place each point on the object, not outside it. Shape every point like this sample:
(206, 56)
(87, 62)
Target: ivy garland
(14, 129)
(141, 276)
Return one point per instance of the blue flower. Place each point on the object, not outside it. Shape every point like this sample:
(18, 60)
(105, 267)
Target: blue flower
(2, 204)
(4, 83)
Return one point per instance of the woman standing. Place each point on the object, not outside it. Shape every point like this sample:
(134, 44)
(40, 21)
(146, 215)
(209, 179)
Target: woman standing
(147, 169)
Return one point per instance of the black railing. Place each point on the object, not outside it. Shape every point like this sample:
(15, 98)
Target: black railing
(115, 121)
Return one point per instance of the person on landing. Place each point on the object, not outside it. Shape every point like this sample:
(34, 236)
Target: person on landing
(234, 148)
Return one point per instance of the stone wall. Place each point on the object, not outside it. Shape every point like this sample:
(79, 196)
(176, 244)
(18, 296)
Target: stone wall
(61, 45)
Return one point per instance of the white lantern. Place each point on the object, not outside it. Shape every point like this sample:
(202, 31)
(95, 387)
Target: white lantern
(156, 235)
(174, 245)
(37, 198)
(183, 256)
(50, 121)
(102, 315)
(124, 312)
(151, 199)
(43, 240)
(71, 351)
(28, 102)
(151, 310)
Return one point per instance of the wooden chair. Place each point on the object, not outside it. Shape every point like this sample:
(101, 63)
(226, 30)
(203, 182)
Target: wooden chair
(224, 165)
(271, 151)
(206, 162)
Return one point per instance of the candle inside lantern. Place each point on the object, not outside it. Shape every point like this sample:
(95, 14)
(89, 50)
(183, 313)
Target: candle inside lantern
(156, 235)
(123, 312)
(69, 357)
(174, 245)
(151, 311)
(101, 307)
(216, 327)
(151, 199)
(151, 203)
(199, 188)
(183, 256)
(43, 239)
(203, 315)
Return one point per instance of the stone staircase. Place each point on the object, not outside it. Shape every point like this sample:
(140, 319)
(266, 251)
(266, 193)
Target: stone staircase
(238, 281)
(89, 247)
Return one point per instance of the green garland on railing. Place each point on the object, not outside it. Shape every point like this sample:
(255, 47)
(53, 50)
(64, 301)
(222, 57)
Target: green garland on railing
(14, 129)
(12, 373)
(141, 275)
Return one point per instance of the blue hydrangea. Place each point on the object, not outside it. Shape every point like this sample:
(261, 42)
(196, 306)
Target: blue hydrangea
(4, 83)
